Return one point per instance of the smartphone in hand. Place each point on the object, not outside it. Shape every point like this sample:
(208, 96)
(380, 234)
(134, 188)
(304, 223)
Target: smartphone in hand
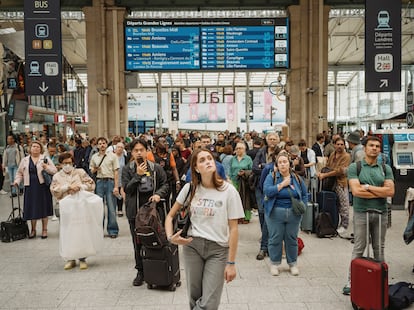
(140, 160)
(45, 160)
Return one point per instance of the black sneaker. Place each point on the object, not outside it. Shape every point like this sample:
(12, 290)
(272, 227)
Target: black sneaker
(261, 255)
(139, 279)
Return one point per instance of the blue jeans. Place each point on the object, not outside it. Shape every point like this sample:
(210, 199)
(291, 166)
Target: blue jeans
(104, 189)
(12, 170)
(283, 225)
(263, 226)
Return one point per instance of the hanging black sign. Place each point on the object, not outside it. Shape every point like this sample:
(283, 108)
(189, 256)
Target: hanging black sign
(382, 46)
(43, 47)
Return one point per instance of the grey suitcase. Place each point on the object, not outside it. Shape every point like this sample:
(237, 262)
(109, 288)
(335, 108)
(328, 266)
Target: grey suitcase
(308, 218)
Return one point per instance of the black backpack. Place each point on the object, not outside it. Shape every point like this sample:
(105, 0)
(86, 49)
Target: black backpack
(324, 226)
(401, 295)
(149, 228)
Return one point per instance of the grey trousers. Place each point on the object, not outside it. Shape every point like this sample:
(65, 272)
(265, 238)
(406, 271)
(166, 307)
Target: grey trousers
(205, 262)
(360, 236)
(360, 233)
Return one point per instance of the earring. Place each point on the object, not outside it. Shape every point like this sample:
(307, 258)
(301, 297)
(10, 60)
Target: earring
(197, 171)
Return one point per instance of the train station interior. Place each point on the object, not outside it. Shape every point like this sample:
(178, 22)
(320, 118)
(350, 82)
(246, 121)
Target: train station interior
(323, 77)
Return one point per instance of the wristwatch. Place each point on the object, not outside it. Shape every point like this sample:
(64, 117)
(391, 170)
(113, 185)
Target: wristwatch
(366, 186)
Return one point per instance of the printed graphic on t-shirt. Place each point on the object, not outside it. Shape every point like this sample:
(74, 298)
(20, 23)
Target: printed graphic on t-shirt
(206, 207)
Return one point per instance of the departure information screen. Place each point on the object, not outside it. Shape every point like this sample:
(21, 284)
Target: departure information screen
(213, 44)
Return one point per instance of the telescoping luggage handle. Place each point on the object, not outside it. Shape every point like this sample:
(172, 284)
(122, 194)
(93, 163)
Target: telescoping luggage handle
(18, 204)
(379, 228)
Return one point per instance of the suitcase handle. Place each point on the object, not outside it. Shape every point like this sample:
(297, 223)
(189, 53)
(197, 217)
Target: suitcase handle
(18, 204)
(374, 211)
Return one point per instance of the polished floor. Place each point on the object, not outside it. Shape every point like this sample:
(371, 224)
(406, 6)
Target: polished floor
(32, 274)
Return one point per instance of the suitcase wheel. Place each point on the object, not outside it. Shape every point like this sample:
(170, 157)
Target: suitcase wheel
(172, 288)
(355, 306)
(150, 286)
(178, 284)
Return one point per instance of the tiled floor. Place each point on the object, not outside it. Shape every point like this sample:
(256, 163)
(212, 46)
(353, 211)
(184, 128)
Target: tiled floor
(32, 275)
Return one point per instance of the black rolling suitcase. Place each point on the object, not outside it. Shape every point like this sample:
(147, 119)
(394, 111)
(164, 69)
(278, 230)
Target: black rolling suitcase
(161, 267)
(327, 204)
(15, 228)
(160, 259)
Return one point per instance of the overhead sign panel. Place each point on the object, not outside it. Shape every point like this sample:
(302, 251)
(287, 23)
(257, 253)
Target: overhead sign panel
(382, 46)
(213, 44)
(43, 47)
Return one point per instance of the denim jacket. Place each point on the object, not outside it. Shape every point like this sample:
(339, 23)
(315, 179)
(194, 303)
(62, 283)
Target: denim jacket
(274, 198)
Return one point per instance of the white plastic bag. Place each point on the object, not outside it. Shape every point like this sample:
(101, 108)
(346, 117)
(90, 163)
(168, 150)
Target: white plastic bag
(81, 228)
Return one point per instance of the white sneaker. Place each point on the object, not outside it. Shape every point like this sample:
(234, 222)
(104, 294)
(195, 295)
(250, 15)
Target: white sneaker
(274, 270)
(3, 192)
(341, 230)
(294, 271)
(55, 218)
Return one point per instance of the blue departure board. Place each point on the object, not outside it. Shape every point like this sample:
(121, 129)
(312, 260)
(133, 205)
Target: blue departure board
(213, 44)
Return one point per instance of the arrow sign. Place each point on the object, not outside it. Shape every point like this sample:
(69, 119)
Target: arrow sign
(43, 88)
(384, 83)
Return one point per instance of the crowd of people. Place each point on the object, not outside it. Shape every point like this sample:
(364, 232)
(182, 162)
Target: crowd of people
(233, 177)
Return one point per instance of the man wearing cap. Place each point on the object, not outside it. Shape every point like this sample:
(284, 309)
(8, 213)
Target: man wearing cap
(297, 162)
(354, 142)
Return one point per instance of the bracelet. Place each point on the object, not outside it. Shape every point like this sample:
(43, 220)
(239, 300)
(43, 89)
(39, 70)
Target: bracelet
(230, 263)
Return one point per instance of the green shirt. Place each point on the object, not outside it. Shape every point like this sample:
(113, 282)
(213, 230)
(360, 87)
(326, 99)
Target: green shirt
(372, 175)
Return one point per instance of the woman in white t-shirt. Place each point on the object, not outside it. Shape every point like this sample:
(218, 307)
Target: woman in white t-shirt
(211, 245)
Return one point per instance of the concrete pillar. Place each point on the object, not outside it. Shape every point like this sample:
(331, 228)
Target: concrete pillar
(107, 103)
(307, 78)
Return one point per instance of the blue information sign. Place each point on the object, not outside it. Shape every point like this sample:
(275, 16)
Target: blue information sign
(207, 44)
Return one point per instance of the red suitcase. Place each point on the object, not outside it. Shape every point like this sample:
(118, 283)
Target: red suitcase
(369, 279)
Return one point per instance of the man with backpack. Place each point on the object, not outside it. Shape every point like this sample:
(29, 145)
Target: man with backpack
(142, 181)
(370, 184)
(106, 166)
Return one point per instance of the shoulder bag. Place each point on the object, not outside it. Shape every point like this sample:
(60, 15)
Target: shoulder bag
(46, 175)
(298, 206)
(184, 214)
(95, 174)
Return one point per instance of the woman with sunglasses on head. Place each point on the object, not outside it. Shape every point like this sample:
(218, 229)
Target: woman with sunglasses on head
(211, 245)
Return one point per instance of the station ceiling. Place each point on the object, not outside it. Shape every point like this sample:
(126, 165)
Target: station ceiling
(345, 36)
(201, 4)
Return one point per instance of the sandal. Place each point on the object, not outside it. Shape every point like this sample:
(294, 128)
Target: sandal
(32, 234)
(44, 234)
